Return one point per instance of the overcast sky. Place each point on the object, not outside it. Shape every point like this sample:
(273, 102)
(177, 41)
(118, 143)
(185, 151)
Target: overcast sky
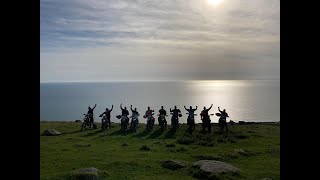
(113, 40)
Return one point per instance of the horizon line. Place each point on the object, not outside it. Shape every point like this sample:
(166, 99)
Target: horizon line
(154, 80)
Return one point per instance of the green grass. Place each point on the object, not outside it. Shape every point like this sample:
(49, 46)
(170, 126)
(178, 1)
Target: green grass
(254, 148)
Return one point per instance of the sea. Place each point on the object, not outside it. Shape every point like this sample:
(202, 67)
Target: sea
(244, 100)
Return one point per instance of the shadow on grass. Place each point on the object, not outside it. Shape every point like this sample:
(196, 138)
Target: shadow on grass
(155, 134)
(120, 133)
(141, 134)
(170, 134)
(92, 133)
(73, 132)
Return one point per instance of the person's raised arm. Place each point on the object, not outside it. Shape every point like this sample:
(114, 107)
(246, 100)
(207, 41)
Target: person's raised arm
(210, 107)
(170, 110)
(219, 110)
(94, 106)
(102, 114)
(185, 108)
(111, 108)
(121, 106)
(131, 108)
(195, 108)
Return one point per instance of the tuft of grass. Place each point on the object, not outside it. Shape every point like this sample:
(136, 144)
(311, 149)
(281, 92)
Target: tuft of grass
(173, 165)
(244, 152)
(186, 140)
(82, 145)
(170, 145)
(241, 136)
(181, 149)
(208, 157)
(145, 148)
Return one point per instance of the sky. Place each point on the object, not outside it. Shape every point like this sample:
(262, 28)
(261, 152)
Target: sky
(133, 40)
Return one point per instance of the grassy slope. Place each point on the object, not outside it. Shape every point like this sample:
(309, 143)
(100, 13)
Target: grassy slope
(61, 154)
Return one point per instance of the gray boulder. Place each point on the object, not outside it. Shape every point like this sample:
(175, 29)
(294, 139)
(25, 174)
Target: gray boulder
(173, 164)
(51, 132)
(89, 174)
(212, 169)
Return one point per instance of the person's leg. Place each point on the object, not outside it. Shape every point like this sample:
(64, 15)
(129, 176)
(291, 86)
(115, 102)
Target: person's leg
(91, 121)
(226, 124)
(109, 123)
(177, 122)
(209, 127)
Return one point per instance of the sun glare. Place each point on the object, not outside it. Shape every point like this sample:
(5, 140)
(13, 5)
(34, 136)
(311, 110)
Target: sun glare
(214, 2)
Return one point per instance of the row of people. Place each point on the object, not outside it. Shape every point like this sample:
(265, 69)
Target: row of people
(176, 113)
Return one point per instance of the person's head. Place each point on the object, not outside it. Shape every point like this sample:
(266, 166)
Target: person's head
(89, 107)
(175, 107)
(224, 110)
(107, 109)
(125, 108)
(204, 108)
(161, 107)
(135, 109)
(148, 108)
(190, 107)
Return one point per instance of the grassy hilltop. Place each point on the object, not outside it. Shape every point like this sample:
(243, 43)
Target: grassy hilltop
(253, 148)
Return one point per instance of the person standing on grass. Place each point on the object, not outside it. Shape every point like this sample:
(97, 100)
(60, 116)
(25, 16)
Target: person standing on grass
(175, 116)
(162, 115)
(205, 117)
(90, 114)
(107, 113)
(190, 120)
(223, 119)
(125, 113)
(134, 113)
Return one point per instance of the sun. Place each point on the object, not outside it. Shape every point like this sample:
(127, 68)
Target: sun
(214, 2)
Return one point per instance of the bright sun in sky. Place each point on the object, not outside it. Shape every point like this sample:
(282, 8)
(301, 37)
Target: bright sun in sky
(215, 2)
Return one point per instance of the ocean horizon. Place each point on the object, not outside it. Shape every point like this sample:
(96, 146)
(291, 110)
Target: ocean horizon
(244, 100)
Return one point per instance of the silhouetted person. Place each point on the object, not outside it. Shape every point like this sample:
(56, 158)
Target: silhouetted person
(108, 116)
(223, 119)
(150, 119)
(134, 113)
(162, 115)
(205, 117)
(125, 113)
(149, 113)
(90, 114)
(175, 116)
(190, 120)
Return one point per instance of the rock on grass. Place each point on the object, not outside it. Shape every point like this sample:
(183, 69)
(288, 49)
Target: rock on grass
(211, 169)
(51, 132)
(145, 148)
(89, 174)
(173, 164)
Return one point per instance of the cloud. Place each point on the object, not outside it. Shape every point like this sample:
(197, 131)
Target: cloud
(147, 39)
